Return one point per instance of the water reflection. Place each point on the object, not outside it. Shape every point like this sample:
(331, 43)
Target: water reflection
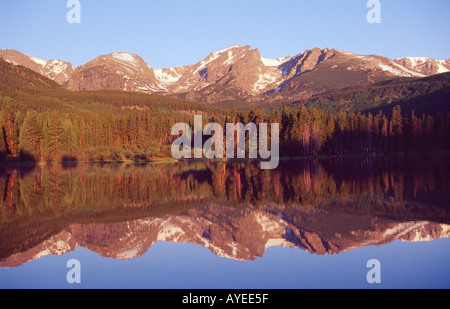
(235, 209)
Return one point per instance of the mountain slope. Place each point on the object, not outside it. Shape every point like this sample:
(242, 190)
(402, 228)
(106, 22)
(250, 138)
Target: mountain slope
(116, 71)
(24, 90)
(236, 69)
(423, 95)
(241, 237)
(425, 65)
(321, 70)
(57, 70)
(301, 76)
(17, 79)
(235, 74)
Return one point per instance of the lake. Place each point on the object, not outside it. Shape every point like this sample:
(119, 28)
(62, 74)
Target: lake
(228, 224)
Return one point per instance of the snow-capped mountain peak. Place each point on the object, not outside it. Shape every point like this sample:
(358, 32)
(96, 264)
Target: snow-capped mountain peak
(425, 65)
(38, 61)
(236, 71)
(58, 70)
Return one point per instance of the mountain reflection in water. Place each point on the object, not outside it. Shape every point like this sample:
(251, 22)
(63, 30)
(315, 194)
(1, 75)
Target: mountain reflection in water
(235, 209)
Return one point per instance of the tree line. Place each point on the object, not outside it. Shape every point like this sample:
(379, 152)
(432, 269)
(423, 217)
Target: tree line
(314, 132)
(133, 134)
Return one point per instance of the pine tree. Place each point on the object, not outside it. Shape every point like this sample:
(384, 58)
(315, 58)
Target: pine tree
(369, 131)
(45, 146)
(80, 127)
(18, 121)
(397, 121)
(70, 137)
(8, 129)
(286, 124)
(3, 149)
(55, 133)
(26, 145)
(384, 133)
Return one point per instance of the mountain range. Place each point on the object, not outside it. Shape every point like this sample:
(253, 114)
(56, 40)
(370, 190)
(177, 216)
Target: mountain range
(235, 73)
(244, 235)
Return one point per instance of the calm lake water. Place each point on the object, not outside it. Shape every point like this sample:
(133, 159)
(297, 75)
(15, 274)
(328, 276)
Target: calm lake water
(306, 224)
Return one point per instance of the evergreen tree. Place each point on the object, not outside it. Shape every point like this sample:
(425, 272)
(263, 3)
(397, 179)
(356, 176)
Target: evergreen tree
(26, 137)
(396, 128)
(69, 138)
(3, 148)
(45, 146)
(55, 134)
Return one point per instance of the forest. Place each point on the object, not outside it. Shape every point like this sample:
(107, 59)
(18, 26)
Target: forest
(42, 122)
(143, 135)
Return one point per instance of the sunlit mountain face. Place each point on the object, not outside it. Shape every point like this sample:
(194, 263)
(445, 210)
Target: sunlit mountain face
(235, 73)
(234, 209)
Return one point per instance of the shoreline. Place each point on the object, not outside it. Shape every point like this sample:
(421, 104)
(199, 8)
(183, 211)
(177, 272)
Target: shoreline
(163, 160)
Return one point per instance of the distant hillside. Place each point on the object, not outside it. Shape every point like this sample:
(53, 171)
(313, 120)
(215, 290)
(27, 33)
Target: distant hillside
(57, 70)
(13, 77)
(26, 89)
(423, 95)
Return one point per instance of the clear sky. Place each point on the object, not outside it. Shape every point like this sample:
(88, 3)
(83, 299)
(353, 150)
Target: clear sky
(169, 33)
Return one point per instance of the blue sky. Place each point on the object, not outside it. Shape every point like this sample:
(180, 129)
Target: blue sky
(169, 33)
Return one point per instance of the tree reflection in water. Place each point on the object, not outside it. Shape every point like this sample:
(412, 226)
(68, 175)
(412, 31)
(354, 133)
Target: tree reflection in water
(324, 206)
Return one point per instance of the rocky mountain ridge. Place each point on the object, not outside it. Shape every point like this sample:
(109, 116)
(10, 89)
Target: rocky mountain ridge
(242, 234)
(238, 72)
(57, 70)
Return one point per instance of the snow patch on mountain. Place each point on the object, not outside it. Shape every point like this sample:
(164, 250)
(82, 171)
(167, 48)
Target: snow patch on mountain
(227, 49)
(57, 66)
(204, 63)
(407, 71)
(442, 68)
(270, 78)
(275, 62)
(214, 56)
(125, 57)
(415, 61)
(38, 61)
(395, 68)
(165, 77)
(425, 65)
(397, 72)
